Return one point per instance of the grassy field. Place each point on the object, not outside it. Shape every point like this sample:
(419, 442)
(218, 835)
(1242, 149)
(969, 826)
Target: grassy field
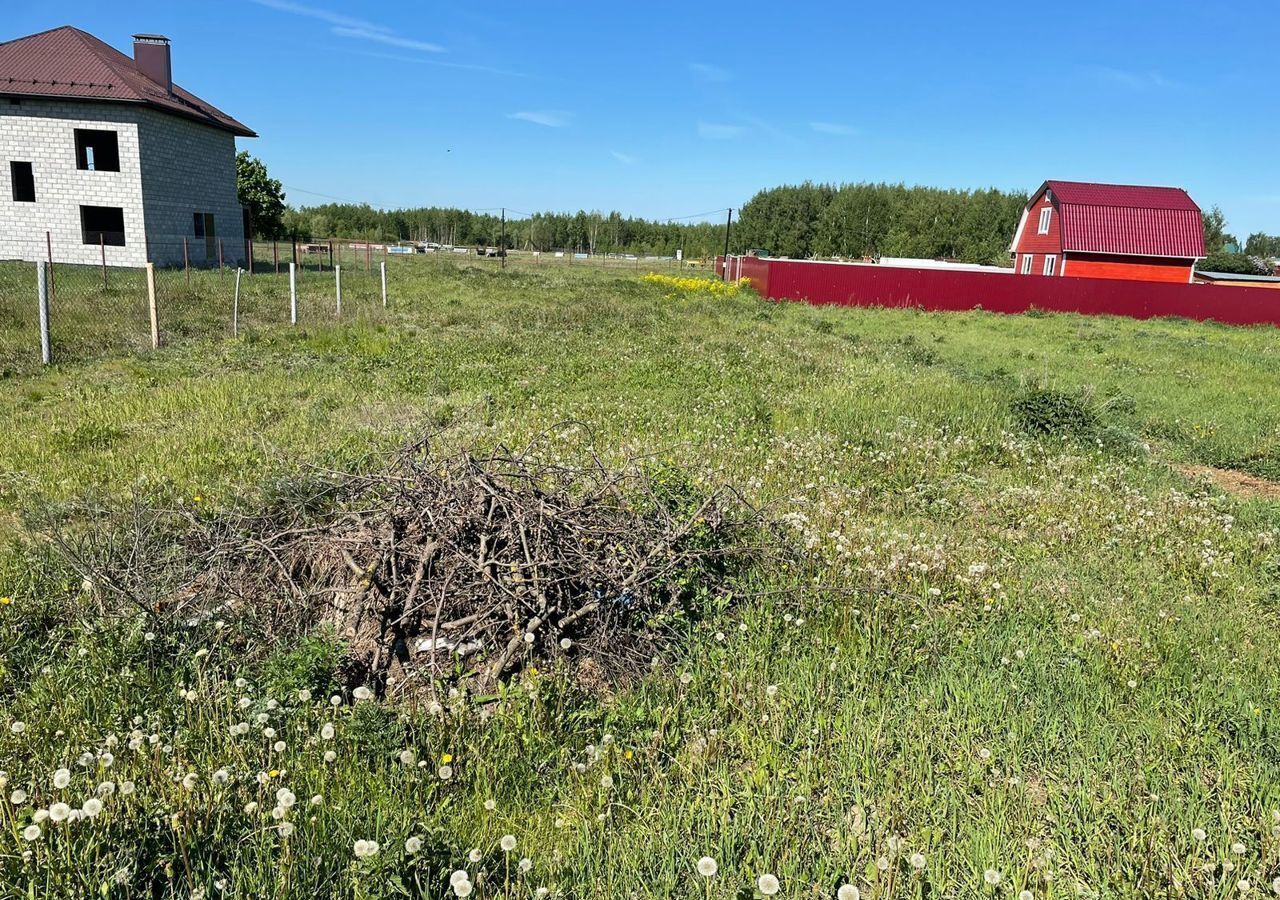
(1025, 655)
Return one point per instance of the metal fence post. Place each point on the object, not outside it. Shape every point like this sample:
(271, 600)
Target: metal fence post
(235, 306)
(186, 261)
(102, 243)
(383, 266)
(293, 294)
(42, 293)
(151, 302)
(337, 280)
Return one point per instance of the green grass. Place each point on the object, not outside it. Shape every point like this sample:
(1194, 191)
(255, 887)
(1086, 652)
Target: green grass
(1040, 652)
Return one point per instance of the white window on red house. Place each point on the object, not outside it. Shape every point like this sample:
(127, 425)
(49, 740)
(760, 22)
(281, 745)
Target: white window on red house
(1027, 259)
(1050, 263)
(1045, 215)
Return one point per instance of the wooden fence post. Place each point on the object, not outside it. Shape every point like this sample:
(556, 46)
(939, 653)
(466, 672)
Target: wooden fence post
(42, 296)
(275, 255)
(220, 270)
(293, 294)
(151, 302)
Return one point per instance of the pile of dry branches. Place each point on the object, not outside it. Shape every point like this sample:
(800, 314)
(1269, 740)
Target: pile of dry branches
(463, 564)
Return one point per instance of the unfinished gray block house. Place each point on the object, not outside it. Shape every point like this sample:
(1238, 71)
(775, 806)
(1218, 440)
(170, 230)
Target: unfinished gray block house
(103, 153)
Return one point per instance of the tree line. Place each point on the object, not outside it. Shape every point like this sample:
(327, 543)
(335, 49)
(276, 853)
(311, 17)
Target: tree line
(802, 221)
(869, 220)
(581, 231)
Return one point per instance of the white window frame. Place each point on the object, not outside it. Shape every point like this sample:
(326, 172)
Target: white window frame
(1028, 259)
(1050, 264)
(1046, 215)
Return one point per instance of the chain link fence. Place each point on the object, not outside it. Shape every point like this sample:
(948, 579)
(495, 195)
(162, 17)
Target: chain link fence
(96, 310)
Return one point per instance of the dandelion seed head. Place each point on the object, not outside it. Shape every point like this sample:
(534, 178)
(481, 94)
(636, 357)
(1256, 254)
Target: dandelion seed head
(412, 844)
(992, 877)
(525, 864)
(1199, 834)
(491, 805)
(848, 892)
(91, 807)
(768, 885)
(18, 797)
(707, 867)
(59, 812)
(508, 843)
(917, 861)
(474, 855)
(31, 833)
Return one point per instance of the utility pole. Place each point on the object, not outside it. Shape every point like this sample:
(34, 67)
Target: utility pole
(502, 248)
(727, 225)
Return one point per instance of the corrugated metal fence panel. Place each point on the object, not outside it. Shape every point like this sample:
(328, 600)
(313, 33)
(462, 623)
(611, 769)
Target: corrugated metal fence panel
(871, 285)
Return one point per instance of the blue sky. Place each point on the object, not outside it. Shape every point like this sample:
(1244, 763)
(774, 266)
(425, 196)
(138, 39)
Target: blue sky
(670, 110)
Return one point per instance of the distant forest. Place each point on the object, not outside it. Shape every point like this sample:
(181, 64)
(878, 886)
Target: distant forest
(585, 232)
(805, 220)
(799, 221)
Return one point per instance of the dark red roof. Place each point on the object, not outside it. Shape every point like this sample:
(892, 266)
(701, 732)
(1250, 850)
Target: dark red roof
(1127, 219)
(69, 63)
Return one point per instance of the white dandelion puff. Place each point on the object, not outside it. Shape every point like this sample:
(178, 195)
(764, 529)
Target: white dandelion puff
(61, 778)
(413, 844)
(992, 877)
(91, 807)
(508, 843)
(366, 849)
(768, 884)
(707, 867)
(31, 833)
(848, 892)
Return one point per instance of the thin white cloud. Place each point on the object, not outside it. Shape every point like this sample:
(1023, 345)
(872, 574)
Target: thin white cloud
(708, 72)
(384, 37)
(427, 61)
(624, 158)
(551, 118)
(715, 131)
(831, 128)
(324, 15)
(1128, 79)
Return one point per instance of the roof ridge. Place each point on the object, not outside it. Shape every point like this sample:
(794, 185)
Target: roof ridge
(39, 34)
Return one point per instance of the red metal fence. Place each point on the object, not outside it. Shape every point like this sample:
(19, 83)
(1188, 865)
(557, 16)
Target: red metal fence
(852, 284)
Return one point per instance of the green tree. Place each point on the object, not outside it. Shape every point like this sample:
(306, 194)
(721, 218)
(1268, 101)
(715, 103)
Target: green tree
(261, 194)
(1215, 232)
(1266, 246)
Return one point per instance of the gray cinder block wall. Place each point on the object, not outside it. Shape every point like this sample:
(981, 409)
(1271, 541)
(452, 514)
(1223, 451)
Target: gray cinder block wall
(170, 169)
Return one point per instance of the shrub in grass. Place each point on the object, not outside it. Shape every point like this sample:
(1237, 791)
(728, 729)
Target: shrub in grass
(1049, 411)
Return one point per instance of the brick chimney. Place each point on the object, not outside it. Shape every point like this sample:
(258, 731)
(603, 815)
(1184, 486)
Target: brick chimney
(151, 58)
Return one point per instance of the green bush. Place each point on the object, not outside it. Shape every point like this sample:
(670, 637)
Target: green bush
(1048, 411)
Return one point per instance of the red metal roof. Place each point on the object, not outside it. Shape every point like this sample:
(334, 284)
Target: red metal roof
(1128, 219)
(69, 63)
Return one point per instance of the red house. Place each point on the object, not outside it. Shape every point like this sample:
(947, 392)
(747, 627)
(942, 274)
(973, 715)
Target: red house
(1120, 231)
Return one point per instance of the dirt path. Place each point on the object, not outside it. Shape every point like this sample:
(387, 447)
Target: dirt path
(1239, 484)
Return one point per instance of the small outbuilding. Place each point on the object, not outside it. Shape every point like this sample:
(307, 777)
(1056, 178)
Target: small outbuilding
(1124, 231)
